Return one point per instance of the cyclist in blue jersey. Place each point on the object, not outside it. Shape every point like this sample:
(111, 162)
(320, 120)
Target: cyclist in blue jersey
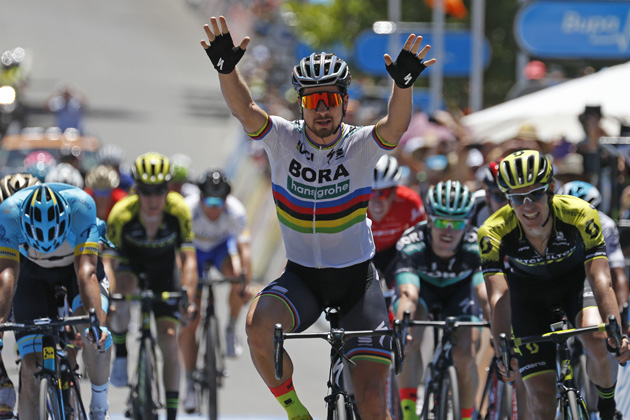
(321, 172)
(438, 266)
(55, 228)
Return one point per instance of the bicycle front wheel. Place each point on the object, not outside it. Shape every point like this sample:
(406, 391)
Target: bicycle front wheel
(49, 408)
(449, 404)
(340, 408)
(145, 392)
(213, 366)
(76, 409)
(573, 407)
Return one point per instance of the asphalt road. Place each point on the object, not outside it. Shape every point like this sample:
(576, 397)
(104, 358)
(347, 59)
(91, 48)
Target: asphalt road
(149, 86)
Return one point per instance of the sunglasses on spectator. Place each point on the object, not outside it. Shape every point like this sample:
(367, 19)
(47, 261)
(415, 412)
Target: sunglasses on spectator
(533, 196)
(443, 223)
(213, 201)
(497, 195)
(382, 194)
(152, 190)
(331, 99)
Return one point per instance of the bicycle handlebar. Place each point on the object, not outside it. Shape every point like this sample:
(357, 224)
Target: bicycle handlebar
(559, 337)
(211, 281)
(336, 335)
(168, 297)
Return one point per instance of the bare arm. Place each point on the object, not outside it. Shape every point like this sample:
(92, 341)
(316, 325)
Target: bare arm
(620, 284)
(89, 288)
(236, 93)
(408, 300)
(190, 275)
(499, 302)
(9, 271)
(482, 298)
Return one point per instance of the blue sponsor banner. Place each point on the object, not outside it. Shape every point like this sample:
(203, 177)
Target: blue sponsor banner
(570, 29)
(370, 47)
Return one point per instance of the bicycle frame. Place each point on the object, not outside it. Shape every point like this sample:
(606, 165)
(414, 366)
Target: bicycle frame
(443, 358)
(146, 298)
(336, 337)
(51, 371)
(566, 387)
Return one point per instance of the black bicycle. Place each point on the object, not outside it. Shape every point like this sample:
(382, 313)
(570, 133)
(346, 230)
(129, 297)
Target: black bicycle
(144, 395)
(571, 405)
(498, 397)
(338, 402)
(211, 368)
(441, 390)
(59, 390)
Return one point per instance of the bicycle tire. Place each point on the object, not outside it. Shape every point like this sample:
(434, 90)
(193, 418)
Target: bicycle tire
(506, 401)
(429, 406)
(49, 408)
(573, 406)
(75, 401)
(144, 395)
(585, 385)
(212, 361)
(340, 408)
(449, 407)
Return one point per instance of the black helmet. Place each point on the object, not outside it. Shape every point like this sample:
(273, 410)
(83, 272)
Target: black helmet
(214, 183)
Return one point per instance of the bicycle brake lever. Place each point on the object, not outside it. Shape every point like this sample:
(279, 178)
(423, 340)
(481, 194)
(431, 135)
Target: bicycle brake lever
(505, 352)
(613, 331)
(95, 327)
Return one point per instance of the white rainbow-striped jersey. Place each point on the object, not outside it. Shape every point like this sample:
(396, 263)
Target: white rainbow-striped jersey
(321, 192)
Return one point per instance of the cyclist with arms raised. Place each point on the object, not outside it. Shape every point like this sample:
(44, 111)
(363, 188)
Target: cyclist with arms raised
(557, 258)
(321, 172)
(149, 229)
(67, 254)
(438, 264)
(221, 240)
(392, 209)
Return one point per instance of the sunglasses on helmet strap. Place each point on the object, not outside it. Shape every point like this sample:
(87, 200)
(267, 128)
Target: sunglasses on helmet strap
(331, 99)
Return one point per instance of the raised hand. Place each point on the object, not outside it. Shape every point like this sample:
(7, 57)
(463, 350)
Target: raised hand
(409, 64)
(220, 49)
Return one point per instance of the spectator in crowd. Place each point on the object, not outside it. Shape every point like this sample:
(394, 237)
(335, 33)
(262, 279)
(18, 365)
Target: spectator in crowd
(68, 104)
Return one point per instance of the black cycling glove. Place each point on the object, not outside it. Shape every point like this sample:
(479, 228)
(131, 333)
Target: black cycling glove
(406, 69)
(223, 54)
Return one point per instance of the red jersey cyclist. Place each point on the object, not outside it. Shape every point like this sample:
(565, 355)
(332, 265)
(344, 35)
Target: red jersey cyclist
(393, 209)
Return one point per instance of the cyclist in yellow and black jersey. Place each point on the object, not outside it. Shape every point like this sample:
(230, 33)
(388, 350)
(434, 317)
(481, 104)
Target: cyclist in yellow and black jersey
(557, 257)
(149, 229)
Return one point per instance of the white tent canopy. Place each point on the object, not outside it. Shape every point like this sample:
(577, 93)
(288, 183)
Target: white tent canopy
(554, 111)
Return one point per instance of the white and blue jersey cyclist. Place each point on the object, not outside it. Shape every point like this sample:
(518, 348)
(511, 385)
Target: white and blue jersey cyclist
(49, 237)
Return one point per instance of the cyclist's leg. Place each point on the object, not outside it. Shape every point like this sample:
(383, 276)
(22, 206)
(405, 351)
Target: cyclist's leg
(171, 369)
(187, 339)
(541, 395)
(367, 311)
(411, 375)
(290, 302)
(601, 366)
(126, 282)
(34, 298)
(96, 361)
(457, 301)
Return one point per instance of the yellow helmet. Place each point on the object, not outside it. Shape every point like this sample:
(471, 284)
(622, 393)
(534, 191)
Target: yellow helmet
(151, 169)
(524, 168)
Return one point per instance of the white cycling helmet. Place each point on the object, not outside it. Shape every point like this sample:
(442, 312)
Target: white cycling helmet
(66, 174)
(386, 173)
(583, 190)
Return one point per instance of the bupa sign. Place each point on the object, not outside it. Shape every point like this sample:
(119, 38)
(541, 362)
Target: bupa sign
(570, 29)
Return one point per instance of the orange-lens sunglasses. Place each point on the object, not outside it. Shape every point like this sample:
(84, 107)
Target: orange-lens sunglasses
(331, 99)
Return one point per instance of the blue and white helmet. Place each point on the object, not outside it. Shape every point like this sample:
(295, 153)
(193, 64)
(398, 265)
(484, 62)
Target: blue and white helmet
(45, 219)
(583, 190)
